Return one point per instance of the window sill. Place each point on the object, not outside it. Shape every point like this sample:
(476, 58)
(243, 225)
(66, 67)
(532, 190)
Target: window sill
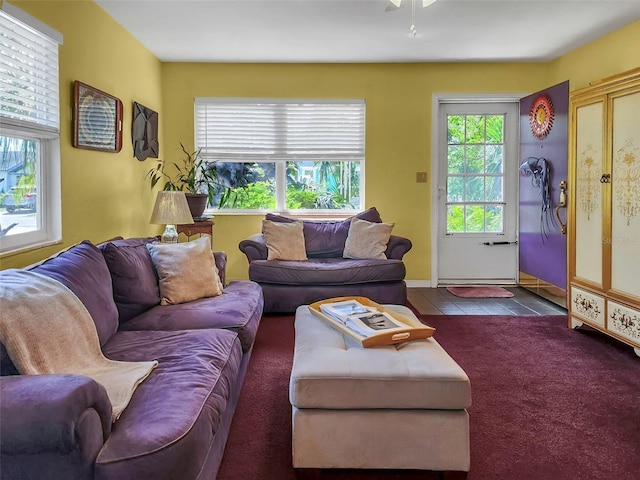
(29, 248)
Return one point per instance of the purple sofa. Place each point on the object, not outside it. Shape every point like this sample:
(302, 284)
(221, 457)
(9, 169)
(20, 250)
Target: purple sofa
(288, 284)
(176, 425)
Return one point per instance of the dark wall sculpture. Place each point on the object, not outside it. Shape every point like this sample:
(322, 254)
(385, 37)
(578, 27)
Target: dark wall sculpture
(144, 132)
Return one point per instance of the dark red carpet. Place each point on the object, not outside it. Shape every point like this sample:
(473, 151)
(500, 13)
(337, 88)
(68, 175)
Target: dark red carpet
(549, 403)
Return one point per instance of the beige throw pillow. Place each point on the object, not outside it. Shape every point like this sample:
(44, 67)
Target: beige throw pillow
(285, 241)
(367, 239)
(186, 271)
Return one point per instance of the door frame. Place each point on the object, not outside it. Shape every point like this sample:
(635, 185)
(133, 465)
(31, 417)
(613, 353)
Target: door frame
(436, 103)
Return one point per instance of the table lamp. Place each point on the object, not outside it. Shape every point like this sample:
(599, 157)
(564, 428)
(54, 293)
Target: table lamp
(171, 209)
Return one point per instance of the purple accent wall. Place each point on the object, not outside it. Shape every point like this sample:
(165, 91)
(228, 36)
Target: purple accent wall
(545, 259)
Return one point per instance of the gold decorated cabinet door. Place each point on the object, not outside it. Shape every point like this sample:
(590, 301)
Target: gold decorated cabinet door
(604, 233)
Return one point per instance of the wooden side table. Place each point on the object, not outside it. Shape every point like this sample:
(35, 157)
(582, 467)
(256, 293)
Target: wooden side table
(198, 228)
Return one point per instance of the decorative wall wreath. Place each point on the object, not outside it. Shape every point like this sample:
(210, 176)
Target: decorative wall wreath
(541, 116)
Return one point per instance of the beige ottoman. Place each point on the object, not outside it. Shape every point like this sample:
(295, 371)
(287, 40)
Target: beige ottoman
(392, 407)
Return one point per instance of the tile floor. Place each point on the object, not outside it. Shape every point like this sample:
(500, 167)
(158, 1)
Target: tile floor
(438, 301)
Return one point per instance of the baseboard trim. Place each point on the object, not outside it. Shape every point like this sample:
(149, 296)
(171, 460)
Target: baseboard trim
(418, 283)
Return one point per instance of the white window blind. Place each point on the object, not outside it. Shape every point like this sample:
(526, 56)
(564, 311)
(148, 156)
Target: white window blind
(29, 88)
(250, 129)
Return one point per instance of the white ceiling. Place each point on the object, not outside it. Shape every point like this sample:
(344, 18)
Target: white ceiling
(361, 31)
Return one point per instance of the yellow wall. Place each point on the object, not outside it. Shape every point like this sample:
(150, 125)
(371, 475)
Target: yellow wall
(398, 136)
(610, 55)
(103, 194)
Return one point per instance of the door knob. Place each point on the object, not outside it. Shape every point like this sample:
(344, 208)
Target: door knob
(605, 178)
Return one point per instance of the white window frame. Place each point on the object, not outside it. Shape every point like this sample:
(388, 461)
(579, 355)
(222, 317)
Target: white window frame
(280, 158)
(49, 211)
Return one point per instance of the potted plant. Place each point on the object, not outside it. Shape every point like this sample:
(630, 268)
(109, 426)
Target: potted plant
(193, 176)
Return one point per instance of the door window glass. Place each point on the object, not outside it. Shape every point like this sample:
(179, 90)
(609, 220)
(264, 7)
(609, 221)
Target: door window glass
(475, 184)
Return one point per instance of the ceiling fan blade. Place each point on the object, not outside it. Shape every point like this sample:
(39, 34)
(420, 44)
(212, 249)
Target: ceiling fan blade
(393, 5)
(396, 4)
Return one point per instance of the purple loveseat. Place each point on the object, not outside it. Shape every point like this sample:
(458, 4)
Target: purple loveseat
(288, 284)
(176, 425)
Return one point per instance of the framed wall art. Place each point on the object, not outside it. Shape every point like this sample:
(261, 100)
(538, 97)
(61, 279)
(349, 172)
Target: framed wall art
(97, 119)
(541, 116)
(144, 132)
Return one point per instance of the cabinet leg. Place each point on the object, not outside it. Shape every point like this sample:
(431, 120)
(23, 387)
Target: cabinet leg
(576, 323)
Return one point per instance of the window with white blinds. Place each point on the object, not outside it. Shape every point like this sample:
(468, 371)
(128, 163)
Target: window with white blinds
(29, 89)
(298, 154)
(30, 197)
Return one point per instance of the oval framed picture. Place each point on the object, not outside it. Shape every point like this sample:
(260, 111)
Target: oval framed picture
(97, 119)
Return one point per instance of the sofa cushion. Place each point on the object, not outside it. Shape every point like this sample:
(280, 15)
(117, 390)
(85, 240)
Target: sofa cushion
(279, 298)
(326, 271)
(326, 239)
(186, 271)
(172, 419)
(239, 309)
(367, 239)
(135, 285)
(83, 270)
(285, 241)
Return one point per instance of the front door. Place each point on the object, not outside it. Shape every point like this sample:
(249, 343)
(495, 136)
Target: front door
(542, 237)
(477, 193)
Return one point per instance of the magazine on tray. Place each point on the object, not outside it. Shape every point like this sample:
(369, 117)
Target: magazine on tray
(360, 318)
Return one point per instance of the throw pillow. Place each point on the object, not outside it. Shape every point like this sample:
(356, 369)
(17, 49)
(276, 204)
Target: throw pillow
(186, 271)
(135, 286)
(326, 238)
(367, 239)
(285, 241)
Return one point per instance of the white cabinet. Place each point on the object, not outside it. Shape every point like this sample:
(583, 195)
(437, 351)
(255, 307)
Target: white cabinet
(604, 227)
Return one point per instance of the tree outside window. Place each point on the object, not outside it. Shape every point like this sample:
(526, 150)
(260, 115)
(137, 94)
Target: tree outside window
(475, 175)
(18, 185)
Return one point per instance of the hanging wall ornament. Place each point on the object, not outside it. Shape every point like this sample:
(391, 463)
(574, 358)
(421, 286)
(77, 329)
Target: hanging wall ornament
(541, 116)
(539, 169)
(144, 132)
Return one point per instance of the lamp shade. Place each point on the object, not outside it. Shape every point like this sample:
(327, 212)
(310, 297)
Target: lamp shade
(171, 208)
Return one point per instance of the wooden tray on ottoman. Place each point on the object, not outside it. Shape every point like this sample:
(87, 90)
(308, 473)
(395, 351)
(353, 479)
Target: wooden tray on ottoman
(415, 329)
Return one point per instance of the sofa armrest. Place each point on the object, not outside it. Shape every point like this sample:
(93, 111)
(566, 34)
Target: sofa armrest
(397, 247)
(221, 264)
(255, 248)
(52, 415)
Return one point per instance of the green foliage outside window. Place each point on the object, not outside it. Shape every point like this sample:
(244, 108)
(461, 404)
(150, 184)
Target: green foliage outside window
(310, 186)
(491, 215)
(475, 173)
(256, 196)
(18, 151)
